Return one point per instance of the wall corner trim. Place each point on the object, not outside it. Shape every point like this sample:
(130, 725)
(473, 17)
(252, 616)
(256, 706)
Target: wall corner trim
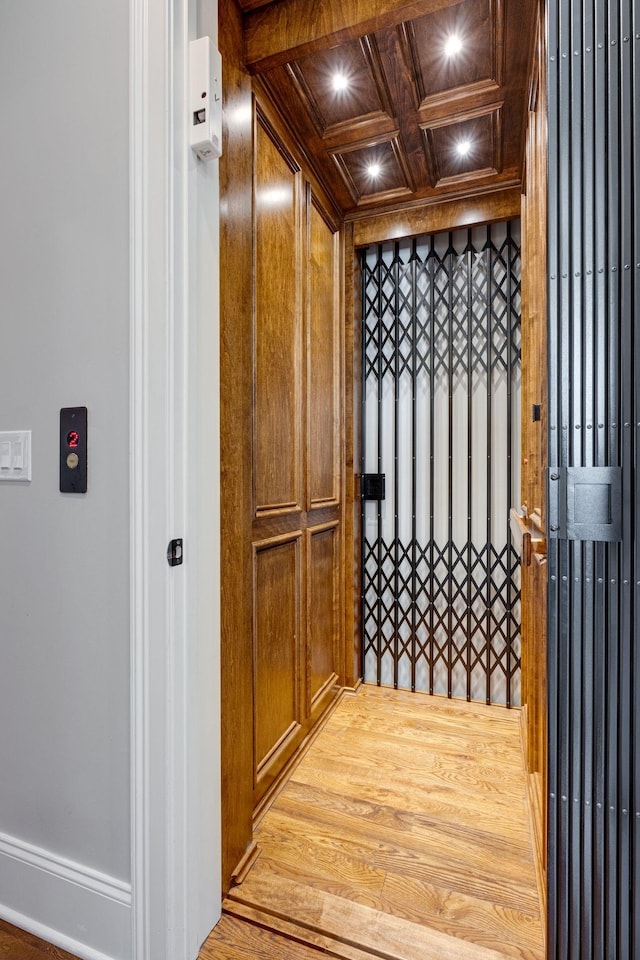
(173, 839)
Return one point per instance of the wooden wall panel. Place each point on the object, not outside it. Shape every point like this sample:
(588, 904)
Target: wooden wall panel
(534, 302)
(236, 173)
(277, 327)
(323, 362)
(534, 391)
(296, 437)
(534, 455)
(323, 607)
(282, 415)
(497, 205)
(353, 429)
(276, 633)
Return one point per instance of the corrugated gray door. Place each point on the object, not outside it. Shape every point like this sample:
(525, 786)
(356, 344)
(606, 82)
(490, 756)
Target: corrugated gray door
(594, 415)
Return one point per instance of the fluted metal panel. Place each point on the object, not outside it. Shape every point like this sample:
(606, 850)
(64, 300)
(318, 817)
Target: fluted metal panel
(594, 416)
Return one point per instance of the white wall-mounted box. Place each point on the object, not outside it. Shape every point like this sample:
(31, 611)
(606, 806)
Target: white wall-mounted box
(205, 99)
(15, 455)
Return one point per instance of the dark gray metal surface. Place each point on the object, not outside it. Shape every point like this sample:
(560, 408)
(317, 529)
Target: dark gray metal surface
(594, 414)
(585, 503)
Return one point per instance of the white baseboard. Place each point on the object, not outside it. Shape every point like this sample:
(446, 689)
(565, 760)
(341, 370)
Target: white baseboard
(75, 907)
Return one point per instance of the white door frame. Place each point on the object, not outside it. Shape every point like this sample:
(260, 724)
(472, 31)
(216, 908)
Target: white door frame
(174, 428)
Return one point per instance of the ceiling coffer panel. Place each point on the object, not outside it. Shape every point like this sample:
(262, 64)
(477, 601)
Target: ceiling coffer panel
(376, 170)
(442, 73)
(427, 102)
(465, 147)
(343, 87)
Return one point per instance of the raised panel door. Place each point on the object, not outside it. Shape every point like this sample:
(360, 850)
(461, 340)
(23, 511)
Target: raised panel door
(323, 606)
(323, 363)
(276, 646)
(277, 330)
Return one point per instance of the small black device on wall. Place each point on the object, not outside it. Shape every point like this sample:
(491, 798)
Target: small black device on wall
(373, 486)
(73, 450)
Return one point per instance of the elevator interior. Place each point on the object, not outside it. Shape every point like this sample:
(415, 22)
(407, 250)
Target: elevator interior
(359, 126)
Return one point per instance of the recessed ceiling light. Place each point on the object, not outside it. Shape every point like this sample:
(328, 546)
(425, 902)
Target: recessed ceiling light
(453, 45)
(374, 169)
(339, 82)
(463, 148)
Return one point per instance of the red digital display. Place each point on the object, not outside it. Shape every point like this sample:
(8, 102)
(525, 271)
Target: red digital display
(73, 438)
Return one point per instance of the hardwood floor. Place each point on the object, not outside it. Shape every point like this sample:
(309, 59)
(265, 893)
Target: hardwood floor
(403, 834)
(16, 944)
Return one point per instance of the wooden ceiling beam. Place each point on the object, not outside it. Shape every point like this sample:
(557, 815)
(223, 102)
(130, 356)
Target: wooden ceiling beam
(284, 31)
(438, 215)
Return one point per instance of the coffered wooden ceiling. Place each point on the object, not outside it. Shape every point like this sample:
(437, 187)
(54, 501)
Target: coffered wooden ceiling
(397, 133)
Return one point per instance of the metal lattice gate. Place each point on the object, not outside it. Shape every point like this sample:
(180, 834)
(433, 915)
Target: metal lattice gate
(441, 417)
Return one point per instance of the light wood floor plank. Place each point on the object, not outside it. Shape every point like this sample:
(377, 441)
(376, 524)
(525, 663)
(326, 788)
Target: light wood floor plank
(377, 700)
(234, 939)
(319, 801)
(403, 701)
(439, 800)
(411, 730)
(478, 921)
(328, 946)
(410, 857)
(383, 935)
(421, 769)
(428, 836)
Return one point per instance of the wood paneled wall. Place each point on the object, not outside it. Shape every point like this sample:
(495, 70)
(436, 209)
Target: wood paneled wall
(296, 428)
(282, 449)
(534, 454)
(236, 495)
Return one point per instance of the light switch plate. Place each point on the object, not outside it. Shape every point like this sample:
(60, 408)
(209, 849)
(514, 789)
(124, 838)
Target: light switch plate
(15, 455)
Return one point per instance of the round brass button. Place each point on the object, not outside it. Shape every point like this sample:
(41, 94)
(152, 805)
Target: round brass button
(73, 461)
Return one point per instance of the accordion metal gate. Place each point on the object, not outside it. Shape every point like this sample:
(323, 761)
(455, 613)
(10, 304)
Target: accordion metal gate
(440, 463)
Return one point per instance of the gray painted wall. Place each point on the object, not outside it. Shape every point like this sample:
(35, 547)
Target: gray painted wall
(64, 340)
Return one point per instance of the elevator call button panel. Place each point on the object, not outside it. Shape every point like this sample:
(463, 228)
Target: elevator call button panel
(73, 450)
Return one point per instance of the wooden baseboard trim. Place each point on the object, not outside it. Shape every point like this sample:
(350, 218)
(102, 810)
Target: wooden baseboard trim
(243, 868)
(535, 804)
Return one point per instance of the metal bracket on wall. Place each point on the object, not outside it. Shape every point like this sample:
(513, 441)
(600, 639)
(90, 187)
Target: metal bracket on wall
(373, 486)
(585, 503)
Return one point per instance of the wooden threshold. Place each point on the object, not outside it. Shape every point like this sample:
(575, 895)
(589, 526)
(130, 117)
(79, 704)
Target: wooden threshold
(403, 834)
